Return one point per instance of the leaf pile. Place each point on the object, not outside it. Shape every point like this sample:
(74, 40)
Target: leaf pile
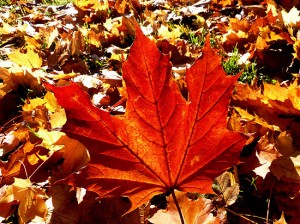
(96, 110)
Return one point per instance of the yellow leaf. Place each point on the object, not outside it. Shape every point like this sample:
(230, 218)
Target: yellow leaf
(164, 32)
(51, 102)
(31, 200)
(255, 119)
(30, 58)
(92, 4)
(280, 99)
(35, 158)
(58, 119)
(108, 25)
(6, 195)
(6, 29)
(294, 95)
(94, 38)
(33, 103)
(281, 220)
(55, 112)
(62, 76)
(49, 138)
(21, 76)
(31, 43)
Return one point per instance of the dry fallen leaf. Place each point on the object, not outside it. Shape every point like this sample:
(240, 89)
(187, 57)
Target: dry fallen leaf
(287, 167)
(92, 4)
(194, 211)
(228, 188)
(281, 220)
(266, 152)
(6, 202)
(44, 110)
(29, 58)
(30, 198)
(73, 41)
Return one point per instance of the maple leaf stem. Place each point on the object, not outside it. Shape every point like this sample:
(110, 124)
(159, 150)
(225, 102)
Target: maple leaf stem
(177, 206)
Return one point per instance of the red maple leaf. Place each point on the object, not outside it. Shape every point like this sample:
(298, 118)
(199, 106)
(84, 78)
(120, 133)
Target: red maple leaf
(162, 142)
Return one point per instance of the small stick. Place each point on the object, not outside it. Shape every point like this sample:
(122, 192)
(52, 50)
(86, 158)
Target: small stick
(269, 201)
(243, 217)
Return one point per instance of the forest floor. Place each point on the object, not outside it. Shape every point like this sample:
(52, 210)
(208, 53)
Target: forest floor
(87, 42)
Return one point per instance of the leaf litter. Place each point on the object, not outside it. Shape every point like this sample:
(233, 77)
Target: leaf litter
(88, 43)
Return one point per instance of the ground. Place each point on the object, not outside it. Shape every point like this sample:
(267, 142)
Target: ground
(87, 42)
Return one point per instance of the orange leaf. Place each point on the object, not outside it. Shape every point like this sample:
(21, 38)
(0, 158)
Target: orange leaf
(281, 220)
(31, 199)
(269, 103)
(163, 141)
(6, 202)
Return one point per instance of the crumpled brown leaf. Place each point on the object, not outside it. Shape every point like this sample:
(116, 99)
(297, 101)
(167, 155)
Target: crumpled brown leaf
(228, 188)
(194, 211)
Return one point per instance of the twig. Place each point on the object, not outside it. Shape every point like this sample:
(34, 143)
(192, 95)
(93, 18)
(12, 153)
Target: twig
(243, 217)
(269, 202)
(255, 216)
(177, 206)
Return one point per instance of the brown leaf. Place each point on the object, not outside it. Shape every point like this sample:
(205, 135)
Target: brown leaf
(49, 34)
(228, 187)
(12, 167)
(8, 142)
(108, 210)
(77, 43)
(231, 194)
(194, 211)
(266, 153)
(287, 167)
(286, 194)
